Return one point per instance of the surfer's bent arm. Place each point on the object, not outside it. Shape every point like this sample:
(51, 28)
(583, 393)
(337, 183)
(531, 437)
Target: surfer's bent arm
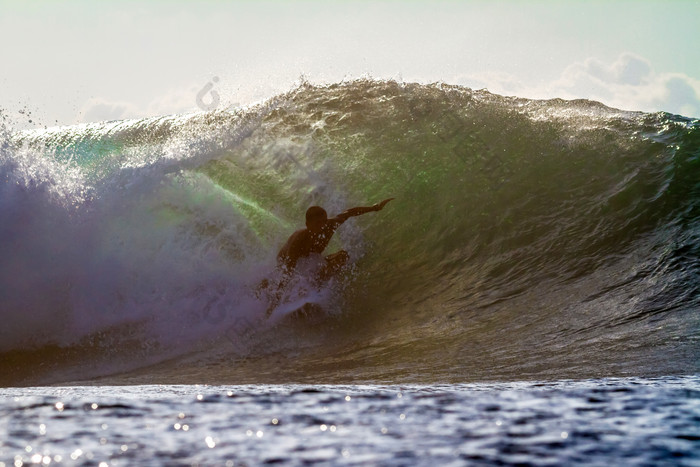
(358, 211)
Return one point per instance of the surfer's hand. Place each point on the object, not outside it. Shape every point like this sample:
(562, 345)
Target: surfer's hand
(380, 206)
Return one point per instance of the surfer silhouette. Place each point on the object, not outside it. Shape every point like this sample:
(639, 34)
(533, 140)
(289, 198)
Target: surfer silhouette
(311, 241)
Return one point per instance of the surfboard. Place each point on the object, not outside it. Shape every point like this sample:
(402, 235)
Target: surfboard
(300, 300)
(309, 312)
(300, 310)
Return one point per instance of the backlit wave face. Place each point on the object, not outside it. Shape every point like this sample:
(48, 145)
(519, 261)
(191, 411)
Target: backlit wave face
(528, 239)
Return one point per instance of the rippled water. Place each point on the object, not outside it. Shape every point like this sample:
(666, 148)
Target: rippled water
(628, 421)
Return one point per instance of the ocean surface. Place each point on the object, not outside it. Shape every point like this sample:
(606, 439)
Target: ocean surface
(628, 421)
(532, 292)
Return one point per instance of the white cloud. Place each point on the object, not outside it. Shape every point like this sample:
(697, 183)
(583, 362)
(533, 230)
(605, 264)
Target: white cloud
(682, 93)
(172, 101)
(212, 93)
(629, 83)
(98, 109)
(628, 69)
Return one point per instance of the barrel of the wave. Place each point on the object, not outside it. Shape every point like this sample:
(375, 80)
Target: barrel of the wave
(538, 238)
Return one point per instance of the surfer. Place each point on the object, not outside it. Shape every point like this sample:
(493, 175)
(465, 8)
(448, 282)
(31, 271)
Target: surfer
(306, 246)
(312, 240)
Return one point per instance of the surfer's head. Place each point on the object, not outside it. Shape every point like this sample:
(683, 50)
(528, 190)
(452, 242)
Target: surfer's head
(316, 217)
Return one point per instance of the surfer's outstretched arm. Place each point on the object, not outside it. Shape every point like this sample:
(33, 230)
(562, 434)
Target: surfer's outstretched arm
(358, 211)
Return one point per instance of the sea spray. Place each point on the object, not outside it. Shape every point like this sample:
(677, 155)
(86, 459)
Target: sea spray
(528, 238)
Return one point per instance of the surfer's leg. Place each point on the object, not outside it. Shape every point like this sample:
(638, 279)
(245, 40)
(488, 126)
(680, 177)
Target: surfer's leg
(334, 263)
(272, 289)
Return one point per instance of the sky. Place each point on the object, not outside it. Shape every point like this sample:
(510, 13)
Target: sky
(68, 62)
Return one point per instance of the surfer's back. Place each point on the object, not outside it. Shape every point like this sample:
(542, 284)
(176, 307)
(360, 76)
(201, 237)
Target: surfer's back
(289, 253)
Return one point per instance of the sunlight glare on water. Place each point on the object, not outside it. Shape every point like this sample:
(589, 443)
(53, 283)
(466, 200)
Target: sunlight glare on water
(594, 422)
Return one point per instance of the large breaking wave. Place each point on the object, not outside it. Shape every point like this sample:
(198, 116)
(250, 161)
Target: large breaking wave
(528, 239)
